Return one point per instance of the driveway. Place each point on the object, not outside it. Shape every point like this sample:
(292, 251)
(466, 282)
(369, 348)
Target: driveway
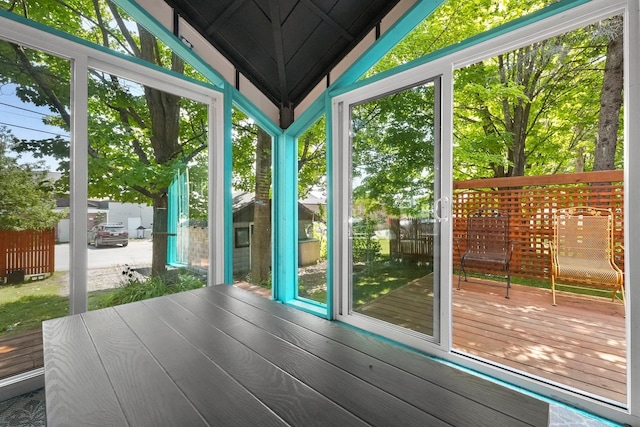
(105, 265)
(137, 254)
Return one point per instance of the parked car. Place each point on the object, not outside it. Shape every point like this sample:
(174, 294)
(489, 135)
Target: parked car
(108, 235)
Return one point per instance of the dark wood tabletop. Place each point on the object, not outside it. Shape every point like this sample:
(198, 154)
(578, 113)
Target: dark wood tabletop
(223, 356)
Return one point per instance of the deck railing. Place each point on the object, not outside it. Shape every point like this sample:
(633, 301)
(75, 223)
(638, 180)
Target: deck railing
(531, 202)
(26, 253)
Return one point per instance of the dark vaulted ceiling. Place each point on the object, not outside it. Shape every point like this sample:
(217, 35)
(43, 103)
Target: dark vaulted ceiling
(284, 47)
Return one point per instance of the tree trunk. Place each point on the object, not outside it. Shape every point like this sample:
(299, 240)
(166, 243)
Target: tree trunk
(261, 239)
(164, 111)
(610, 102)
(160, 237)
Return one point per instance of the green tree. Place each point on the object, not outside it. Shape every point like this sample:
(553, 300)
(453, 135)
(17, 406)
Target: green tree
(138, 138)
(312, 158)
(511, 110)
(261, 238)
(27, 200)
(610, 96)
(532, 110)
(393, 152)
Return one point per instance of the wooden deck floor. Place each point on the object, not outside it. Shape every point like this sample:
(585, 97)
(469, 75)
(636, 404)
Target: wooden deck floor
(20, 353)
(578, 343)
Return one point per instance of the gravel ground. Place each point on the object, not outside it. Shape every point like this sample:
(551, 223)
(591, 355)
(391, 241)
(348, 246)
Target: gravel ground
(99, 279)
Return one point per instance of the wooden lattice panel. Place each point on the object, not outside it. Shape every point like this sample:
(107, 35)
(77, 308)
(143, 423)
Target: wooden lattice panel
(531, 212)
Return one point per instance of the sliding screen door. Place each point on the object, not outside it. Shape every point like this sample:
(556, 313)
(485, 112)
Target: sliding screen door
(388, 170)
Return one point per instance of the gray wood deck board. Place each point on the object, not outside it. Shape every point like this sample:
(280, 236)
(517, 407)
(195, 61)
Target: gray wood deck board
(213, 392)
(222, 356)
(139, 381)
(426, 396)
(369, 403)
(524, 408)
(70, 349)
(291, 399)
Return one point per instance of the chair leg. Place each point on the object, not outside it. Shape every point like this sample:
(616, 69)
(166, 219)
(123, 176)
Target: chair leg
(553, 288)
(463, 272)
(508, 281)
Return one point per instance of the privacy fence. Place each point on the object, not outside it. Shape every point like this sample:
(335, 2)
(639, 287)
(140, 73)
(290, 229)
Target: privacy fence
(26, 253)
(530, 203)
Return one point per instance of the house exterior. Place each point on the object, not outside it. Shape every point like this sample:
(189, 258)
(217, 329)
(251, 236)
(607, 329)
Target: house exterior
(243, 203)
(131, 215)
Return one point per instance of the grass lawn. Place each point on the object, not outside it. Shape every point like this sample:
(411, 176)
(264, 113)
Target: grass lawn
(383, 276)
(370, 282)
(543, 284)
(24, 307)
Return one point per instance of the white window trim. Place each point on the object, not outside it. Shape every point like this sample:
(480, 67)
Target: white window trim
(83, 57)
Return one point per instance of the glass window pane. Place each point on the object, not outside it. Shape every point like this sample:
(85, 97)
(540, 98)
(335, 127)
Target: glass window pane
(34, 201)
(394, 235)
(148, 192)
(541, 120)
(312, 213)
(251, 204)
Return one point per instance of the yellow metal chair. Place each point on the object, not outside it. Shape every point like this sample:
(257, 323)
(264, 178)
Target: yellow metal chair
(583, 250)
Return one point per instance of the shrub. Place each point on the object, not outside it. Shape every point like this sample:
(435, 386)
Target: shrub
(137, 288)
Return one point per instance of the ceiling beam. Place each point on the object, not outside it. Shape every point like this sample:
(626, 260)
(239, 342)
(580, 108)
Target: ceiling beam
(276, 29)
(326, 18)
(235, 5)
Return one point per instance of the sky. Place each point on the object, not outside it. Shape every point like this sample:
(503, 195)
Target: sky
(24, 120)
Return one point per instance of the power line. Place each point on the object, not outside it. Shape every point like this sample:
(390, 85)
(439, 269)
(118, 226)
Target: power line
(24, 109)
(33, 129)
(29, 116)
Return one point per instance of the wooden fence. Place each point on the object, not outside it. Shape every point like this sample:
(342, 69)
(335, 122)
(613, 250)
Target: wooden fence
(26, 253)
(411, 239)
(531, 202)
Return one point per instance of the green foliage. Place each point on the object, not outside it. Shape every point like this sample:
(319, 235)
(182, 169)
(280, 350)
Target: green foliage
(531, 111)
(137, 289)
(245, 136)
(528, 111)
(312, 158)
(393, 152)
(139, 137)
(452, 22)
(365, 247)
(26, 199)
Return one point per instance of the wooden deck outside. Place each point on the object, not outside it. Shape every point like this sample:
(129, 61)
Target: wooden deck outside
(223, 356)
(579, 343)
(21, 353)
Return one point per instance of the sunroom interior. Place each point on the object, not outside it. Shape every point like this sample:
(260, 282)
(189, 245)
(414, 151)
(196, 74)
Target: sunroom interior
(332, 152)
